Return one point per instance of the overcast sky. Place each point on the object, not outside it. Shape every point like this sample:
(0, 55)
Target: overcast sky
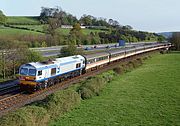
(147, 15)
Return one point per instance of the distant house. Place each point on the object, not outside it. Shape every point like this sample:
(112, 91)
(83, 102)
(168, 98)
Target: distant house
(70, 26)
(67, 26)
(83, 27)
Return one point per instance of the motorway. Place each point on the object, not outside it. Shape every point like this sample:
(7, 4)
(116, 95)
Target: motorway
(55, 50)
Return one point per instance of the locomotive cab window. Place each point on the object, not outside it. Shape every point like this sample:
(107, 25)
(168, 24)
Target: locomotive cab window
(24, 71)
(32, 72)
(40, 73)
(53, 71)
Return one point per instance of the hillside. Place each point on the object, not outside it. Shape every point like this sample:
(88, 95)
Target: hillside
(166, 34)
(20, 20)
(98, 32)
(148, 95)
(15, 32)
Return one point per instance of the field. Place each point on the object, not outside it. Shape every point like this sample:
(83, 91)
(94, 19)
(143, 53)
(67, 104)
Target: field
(22, 20)
(85, 31)
(35, 27)
(149, 95)
(16, 32)
(61, 30)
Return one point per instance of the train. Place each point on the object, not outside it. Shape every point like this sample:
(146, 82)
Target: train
(36, 76)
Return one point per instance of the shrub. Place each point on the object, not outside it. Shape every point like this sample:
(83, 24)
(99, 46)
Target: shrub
(145, 58)
(139, 60)
(123, 67)
(93, 85)
(61, 102)
(118, 70)
(26, 116)
(135, 63)
(129, 66)
(86, 93)
(108, 76)
(162, 51)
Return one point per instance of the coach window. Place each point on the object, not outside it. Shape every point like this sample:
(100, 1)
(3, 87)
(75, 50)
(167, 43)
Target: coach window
(90, 61)
(97, 59)
(40, 73)
(53, 71)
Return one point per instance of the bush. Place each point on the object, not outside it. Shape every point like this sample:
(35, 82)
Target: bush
(61, 102)
(139, 60)
(86, 93)
(129, 66)
(108, 76)
(70, 50)
(26, 116)
(132, 64)
(118, 70)
(145, 58)
(93, 85)
(123, 67)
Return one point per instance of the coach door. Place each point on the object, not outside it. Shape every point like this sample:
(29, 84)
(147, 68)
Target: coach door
(46, 73)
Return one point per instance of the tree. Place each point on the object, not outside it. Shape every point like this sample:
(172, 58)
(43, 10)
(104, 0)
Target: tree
(161, 38)
(33, 56)
(43, 44)
(86, 20)
(13, 54)
(47, 13)
(129, 27)
(3, 18)
(62, 16)
(70, 50)
(76, 28)
(53, 24)
(76, 35)
(175, 40)
(50, 29)
(125, 38)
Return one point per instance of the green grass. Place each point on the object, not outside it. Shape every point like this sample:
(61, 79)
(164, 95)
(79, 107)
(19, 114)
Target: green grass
(88, 31)
(35, 27)
(149, 95)
(85, 31)
(13, 31)
(22, 20)
(61, 30)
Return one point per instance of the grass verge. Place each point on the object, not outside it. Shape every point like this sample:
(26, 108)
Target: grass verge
(149, 95)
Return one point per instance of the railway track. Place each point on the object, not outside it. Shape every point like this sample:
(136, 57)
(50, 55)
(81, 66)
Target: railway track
(20, 99)
(8, 90)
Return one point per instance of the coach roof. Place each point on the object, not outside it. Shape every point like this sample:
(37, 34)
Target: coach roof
(96, 55)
